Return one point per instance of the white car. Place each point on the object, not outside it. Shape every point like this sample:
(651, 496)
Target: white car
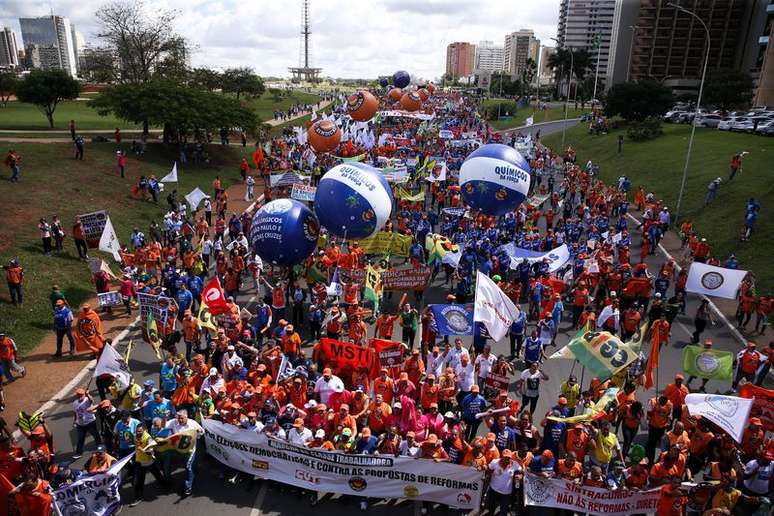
(743, 123)
(725, 124)
(707, 120)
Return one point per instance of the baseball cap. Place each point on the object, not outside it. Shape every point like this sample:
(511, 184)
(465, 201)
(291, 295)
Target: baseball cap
(101, 448)
(80, 391)
(548, 454)
(756, 421)
(148, 383)
(432, 439)
(347, 431)
(491, 437)
(449, 414)
(678, 376)
(213, 371)
(507, 453)
(320, 433)
(751, 344)
(298, 422)
(327, 370)
(366, 432)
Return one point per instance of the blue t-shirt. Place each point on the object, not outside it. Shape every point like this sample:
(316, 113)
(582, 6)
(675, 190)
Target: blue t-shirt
(125, 433)
(537, 466)
(553, 435)
(163, 409)
(184, 300)
(472, 404)
(168, 379)
(366, 445)
(505, 439)
(532, 349)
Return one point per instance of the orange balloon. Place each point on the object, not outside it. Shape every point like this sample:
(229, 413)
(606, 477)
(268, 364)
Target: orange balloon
(362, 106)
(423, 94)
(430, 87)
(395, 94)
(411, 101)
(324, 136)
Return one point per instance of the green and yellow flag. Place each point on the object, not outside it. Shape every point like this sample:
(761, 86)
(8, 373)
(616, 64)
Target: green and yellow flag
(313, 273)
(594, 412)
(205, 318)
(182, 443)
(439, 246)
(402, 193)
(373, 286)
(153, 335)
(602, 353)
(384, 242)
(708, 363)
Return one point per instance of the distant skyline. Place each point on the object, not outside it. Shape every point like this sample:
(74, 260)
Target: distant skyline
(350, 39)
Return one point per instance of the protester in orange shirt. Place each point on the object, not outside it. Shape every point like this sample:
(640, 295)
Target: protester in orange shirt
(383, 385)
(414, 367)
(569, 468)
(676, 393)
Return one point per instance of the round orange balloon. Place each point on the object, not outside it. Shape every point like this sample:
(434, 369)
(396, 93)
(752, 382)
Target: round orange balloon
(430, 87)
(411, 101)
(395, 94)
(362, 106)
(423, 94)
(324, 136)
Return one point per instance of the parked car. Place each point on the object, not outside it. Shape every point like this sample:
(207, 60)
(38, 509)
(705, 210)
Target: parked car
(708, 120)
(743, 124)
(766, 128)
(673, 116)
(685, 117)
(725, 124)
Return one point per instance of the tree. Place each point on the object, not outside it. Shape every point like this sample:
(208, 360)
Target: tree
(46, 89)
(141, 44)
(509, 86)
(638, 100)
(727, 89)
(175, 107)
(242, 80)
(205, 78)
(529, 73)
(8, 83)
(561, 61)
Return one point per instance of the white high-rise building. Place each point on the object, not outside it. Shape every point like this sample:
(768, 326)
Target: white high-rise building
(588, 24)
(520, 46)
(9, 51)
(489, 57)
(52, 32)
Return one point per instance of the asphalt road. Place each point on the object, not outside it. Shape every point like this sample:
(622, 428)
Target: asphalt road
(212, 496)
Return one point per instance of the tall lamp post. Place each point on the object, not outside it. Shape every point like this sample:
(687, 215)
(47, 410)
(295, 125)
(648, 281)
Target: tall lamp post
(631, 50)
(698, 104)
(598, 43)
(567, 97)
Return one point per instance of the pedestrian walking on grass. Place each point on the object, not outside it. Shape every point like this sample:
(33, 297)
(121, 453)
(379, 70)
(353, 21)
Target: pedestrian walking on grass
(58, 234)
(14, 275)
(45, 236)
(12, 160)
(121, 162)
(80, 241)
(63, 325)
(79, 146)
(8, 354)
(71, 125)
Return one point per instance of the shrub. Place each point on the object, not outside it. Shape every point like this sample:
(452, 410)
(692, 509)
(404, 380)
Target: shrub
(646, 130)
(506, 109)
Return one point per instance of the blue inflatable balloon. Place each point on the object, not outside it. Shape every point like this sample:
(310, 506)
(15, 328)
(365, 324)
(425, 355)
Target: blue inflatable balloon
(401, 79)
(353, 200)
(383, 82)
(284, 232)
(494, 179)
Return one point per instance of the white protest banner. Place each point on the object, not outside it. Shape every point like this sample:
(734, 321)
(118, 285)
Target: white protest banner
(172, 176)
(728, 412)
(493, 307)
(108, 242)
(564, 494)
(557, 257)
(537, 200)
(714, 281)
(93, 226)
(405, 114)
(111, 362)
(287, 179)
(109, 298)
(302, 192)
(445, 134)
(96, 495)
(377, 476)
(529, 121)
(195, 197)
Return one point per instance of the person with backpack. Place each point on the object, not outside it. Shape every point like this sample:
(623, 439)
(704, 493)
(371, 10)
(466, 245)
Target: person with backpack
(63, 325)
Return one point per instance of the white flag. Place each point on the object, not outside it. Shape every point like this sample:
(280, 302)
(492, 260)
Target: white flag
(530, 121)
(493, 307)
(108, 242)
(714, 281)
(728, 412)
(195, 197)
(111, 362)
(172, 176)
(98, 264)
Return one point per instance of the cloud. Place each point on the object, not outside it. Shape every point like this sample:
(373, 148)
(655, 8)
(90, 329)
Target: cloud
(350, 38)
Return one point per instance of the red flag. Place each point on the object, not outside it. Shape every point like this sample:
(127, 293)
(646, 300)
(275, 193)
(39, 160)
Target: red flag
(258, 157)
(348, 356)
(655, 349)
(213, 297)
(763, 404)
(389, 353)
(5, 488)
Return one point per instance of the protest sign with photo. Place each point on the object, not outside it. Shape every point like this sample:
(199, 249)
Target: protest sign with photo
(373, 476)
(302, 192)
(109, 299)
(155, 304)
(93, 227)
(389, 352)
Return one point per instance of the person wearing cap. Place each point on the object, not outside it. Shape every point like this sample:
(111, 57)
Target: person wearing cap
(299, 434)
(192, 334)
(168, 376)
(569, 468)
(63, 326)
(344, 440)
(213, 383)
(182, 423)
(570, 390)
(124, 433)
(483, 365)
(324, 386)
(320, 442)
(676, 393)
(409, 447)
(272, 428)
(107, 417)
(291, 343)
(749, 362)
(84, 420)
(431, 448)
(753, 438)
(408, 319)
(533, 349)
(262, 323)
(366, 442)
(145, 461)
(504, 475)
(757, 476)
(66, 475)
(473, 403)
(99, 462)
(383, 327)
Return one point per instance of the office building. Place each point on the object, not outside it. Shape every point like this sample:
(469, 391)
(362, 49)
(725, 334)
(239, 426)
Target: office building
(757, 52)
(588, 25)
(489, 57)
(9, 51)
(520, 46)
(545, 72)
(51, 35)
(460, 59)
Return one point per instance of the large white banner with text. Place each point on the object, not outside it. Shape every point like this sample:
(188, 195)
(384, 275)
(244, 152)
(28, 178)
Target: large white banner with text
(378, 476)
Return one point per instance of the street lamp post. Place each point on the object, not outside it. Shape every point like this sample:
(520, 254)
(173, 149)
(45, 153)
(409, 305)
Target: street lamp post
(567, 97)
(698, 106)
(631, 50)
(598, 41)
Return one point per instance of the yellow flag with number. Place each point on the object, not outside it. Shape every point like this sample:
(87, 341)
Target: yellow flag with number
(205, 318)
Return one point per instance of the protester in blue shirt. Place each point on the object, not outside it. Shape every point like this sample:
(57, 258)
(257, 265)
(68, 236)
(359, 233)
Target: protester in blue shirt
(168, 377)
(366, 443)
(543, 464)
(533, 349)
(63, 324)
(554, 432)
(505, 436)
(124, 433)
(471, 405)
(516, 333)
(184, 299)
(158, 407)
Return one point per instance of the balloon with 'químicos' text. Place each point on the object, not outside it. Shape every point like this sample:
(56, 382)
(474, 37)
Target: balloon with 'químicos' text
(494, 179)
(284, 232)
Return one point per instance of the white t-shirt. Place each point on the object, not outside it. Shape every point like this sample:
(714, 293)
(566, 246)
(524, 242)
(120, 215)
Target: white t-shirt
(454, 358)
(175, 427)
(485, 364)
(502, 478)
(82, 415)
(531, 386)
(435, 365)
(407, 450)
(759, 483)
(299, 438)
(324, 389)
(464, 376)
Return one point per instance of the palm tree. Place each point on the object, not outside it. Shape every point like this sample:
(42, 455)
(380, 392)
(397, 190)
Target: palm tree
(561, 60)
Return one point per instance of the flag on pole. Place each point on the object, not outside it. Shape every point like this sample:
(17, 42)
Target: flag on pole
(153, 335)
(195, 197)
(373, 286)
(493, 307)
(334, 289)
(652, 365)
(602, 353)
(172, 176)
(708, 363)
(112, 363)
(205, 318)
(129, 349)
(108, 242)
(714, 281)
(213, 296)
(728, 412)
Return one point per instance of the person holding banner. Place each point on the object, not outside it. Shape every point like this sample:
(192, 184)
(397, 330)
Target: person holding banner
(504, 475)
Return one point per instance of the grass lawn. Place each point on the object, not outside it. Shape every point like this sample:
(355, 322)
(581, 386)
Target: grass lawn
(519, 118)
(658, 166)
(53, 183)
(265, 105)
(21, 116)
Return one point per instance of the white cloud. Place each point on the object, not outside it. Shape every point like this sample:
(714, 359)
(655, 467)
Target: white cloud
(350, 38)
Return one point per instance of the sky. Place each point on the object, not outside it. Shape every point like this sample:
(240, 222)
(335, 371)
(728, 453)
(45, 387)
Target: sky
(350, 38)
